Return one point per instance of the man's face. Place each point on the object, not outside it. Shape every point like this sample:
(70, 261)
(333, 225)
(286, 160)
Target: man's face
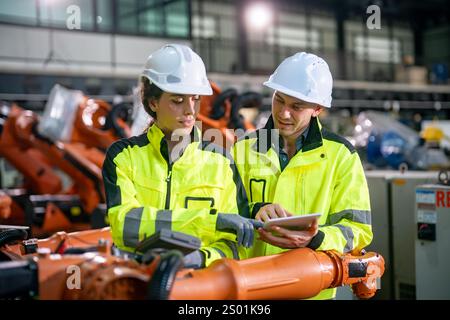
(291, 115)
(176, 113)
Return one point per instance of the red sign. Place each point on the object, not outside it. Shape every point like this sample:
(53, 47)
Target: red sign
(443, 199)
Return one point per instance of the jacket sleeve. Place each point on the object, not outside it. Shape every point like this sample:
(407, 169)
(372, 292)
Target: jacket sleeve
(348, 226)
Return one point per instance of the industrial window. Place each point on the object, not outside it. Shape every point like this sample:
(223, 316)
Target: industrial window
(105, 15)
(127, 16)
(140, 17)
(177, 20)
(58, 13)
(18, 11)
(294, 37)
(376, 49)
(154, 17)
(203, 27)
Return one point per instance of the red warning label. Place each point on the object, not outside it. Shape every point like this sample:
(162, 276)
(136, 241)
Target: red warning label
(442, 199)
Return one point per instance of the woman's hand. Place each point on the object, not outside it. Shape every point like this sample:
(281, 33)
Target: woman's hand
(242, 227)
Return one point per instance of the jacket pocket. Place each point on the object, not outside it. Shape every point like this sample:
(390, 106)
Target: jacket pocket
(257, 190)
(201, 195)
(198, 202)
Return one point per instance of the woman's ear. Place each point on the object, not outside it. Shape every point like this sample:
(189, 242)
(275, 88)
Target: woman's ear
(153, 104)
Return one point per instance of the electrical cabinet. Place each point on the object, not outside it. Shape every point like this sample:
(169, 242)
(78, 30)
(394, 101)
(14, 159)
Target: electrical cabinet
(432, 242)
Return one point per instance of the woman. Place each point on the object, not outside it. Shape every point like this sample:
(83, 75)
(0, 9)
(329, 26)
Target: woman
(166, 177)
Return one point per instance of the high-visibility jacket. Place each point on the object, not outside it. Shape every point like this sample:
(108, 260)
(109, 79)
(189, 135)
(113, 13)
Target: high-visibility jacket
(326, 176)
(145, 193)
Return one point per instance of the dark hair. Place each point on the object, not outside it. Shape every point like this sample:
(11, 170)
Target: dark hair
(149, 91)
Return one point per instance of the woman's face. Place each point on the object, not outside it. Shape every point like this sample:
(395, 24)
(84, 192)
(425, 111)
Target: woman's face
(176, 113)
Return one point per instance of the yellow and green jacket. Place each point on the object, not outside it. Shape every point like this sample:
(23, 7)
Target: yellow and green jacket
(145, 193)
(325, 176)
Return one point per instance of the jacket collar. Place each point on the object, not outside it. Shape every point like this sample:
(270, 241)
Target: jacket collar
(299, 142)
(156, 137)
(312, 141)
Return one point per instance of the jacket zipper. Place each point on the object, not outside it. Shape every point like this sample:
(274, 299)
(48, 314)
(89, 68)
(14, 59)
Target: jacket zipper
(169, 182)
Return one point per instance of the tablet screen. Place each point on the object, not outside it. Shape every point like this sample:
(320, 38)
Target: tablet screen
(296, 222)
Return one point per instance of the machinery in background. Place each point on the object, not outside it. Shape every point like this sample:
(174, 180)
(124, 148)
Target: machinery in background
(432, 241)
(221, 111)
(32, 163)
(98, 125)
(392, 144)
(71, 136)
(84, 125)
(44, 204)
(431, 153)
(5, 205)
(15, 244)
(43, 268)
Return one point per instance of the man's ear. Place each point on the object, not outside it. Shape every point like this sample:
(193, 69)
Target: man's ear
(317, 111)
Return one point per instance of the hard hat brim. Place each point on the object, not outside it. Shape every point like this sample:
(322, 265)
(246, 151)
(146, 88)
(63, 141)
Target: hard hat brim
(293, 93)
(189, 90)
(182, 89)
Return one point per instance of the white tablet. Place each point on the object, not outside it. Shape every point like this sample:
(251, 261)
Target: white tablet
(296, 222)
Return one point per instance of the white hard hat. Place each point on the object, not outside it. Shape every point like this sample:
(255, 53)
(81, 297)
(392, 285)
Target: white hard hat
(304, 76)
(176, 68)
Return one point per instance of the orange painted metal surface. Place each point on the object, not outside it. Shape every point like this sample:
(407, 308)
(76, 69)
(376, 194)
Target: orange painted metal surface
(36, 157)
(222, 124)
(60, 241)
(89, 122)
(5, 205)
(40, 178)
(296, 274)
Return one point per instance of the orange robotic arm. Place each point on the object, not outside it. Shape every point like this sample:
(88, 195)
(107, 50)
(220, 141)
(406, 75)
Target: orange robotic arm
(296, 274)
(98, 125)
(5, 205)
(58, 242)
(40, 177)
(73, 159)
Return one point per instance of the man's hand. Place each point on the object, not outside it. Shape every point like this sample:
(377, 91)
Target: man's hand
(289, 239)
(271, 211)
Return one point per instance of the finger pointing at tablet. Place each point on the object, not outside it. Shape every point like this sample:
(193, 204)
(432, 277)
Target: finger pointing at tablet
(272, 211)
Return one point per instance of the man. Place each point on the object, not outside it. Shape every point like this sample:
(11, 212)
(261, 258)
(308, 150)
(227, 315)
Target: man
(301, 168)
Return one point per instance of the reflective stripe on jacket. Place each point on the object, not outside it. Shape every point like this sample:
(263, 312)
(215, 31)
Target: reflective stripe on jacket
(325, 177)
(145, 193)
